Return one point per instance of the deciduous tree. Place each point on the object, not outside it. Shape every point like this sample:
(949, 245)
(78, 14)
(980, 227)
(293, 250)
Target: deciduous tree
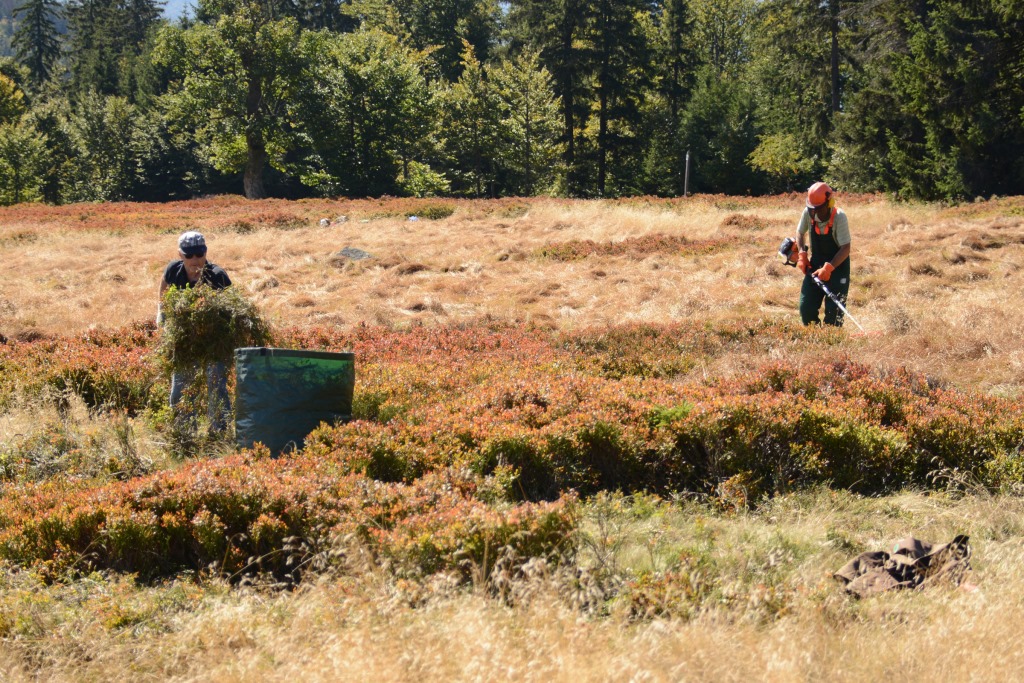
(22, 158)
(367, 113)
(238, 78)
(114, 144)
(12, 100)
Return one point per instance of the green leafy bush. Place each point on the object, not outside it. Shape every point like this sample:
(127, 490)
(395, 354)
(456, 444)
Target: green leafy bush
(434, 212)
(205, 325)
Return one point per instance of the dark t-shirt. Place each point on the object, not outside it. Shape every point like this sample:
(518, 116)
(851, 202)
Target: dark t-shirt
(212, 274)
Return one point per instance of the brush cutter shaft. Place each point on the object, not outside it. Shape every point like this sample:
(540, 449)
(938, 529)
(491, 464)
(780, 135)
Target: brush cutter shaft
(836, 301)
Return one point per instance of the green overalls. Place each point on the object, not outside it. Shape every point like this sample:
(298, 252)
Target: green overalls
(823, 249)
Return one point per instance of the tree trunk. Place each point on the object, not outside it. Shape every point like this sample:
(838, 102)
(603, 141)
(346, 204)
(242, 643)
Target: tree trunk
(255, 145)
(478, 160)
(570, 138)
(602, 141)
(834, 29)
(566, 78)
(528, 147)
(602, 85)
(257, 158)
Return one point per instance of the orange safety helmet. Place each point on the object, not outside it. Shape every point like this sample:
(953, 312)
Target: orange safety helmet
(818, 194)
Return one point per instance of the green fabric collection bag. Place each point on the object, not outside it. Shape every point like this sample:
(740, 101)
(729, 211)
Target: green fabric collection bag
(281, 395)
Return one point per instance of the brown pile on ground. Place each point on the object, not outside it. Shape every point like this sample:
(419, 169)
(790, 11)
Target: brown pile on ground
(912, 564)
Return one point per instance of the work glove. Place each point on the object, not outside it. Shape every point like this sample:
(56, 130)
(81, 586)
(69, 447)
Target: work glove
(824, 273)
(803, 263)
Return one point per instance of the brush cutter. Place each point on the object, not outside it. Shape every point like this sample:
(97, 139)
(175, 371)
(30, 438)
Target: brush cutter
(788, 253)
(837, 302)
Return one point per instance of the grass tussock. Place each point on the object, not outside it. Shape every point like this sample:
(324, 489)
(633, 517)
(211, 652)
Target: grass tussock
(631, 247)
(48, 440)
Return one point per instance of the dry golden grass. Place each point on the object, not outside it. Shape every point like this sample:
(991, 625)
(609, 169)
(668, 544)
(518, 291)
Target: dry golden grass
(40, 441)
(376, 629)
(938, 288)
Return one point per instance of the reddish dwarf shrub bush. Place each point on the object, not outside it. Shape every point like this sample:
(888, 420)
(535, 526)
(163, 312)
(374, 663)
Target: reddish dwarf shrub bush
(236, 514)
(106, 369)
(461, 431)
(568, 418)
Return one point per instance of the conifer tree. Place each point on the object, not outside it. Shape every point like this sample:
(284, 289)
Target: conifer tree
(529, 126)
(437, 26)
(106, 39)
(471, 128)
(555, 29)
(36, 41)
(622, 67)
(675, 72)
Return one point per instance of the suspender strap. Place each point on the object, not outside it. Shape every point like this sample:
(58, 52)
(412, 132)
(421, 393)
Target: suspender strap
(818, 228)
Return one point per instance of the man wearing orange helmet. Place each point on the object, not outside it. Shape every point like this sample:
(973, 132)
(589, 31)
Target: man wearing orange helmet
(829, 260)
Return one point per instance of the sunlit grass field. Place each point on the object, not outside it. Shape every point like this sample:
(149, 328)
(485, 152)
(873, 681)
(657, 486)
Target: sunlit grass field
(592, 441)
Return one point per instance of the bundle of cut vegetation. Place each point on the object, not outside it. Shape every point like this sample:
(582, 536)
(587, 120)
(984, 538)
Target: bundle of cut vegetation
(205, 325)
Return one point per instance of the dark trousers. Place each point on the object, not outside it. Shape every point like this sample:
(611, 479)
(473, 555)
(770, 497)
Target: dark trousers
(811, 296)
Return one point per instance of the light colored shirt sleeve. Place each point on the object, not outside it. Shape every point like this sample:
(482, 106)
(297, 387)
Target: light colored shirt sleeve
(842, 228)
(805, 223)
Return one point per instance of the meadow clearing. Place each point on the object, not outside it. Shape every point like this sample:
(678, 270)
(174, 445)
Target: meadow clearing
(592, 441)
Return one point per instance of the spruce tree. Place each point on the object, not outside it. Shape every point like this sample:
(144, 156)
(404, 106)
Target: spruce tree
(36, 41)
(529, 126)
(106, 39)
(443, 25)
(471, 129)
(555, 29)
(622, 67)
(676, 64)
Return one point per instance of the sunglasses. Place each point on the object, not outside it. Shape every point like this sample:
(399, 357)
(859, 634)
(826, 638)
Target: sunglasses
(194, 253)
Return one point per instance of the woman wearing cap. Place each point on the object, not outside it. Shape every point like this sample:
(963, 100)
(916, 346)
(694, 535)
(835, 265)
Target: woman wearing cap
(191, 270)
(829, 259)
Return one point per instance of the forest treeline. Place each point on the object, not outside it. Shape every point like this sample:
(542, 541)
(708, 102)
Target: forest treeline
(107, 100)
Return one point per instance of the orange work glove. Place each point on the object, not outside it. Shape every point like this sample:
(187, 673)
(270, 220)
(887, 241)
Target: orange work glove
(803, 263)
(824, 273)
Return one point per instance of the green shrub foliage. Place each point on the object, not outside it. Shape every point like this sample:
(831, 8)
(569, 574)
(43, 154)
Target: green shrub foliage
(205, 325)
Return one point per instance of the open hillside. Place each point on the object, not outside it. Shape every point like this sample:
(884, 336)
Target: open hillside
(937, 288)
(590, 440)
